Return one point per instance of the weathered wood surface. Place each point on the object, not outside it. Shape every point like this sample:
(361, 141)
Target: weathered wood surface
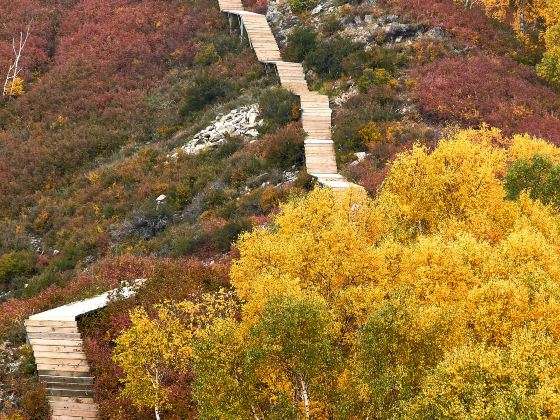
(320, 158)
(62, 364)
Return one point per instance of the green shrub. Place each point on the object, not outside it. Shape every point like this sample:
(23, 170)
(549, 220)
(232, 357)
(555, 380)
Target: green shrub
(284, 149)
(372, 77)
(16, 264)
(377, 57)
(207, 56)
(300, 42)
(549, 67)
(226, 235)
(277, 107)
(327, 58)
(299, 6)
(177, 241)
(203, 90)
(331, 25)
(242, 167)
(540, 176)
(380, 104)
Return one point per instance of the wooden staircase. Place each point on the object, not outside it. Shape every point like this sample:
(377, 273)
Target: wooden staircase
(320, 158)
(62, 366)
(61, 362)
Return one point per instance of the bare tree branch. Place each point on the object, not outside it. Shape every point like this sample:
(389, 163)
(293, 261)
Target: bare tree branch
(15, 69)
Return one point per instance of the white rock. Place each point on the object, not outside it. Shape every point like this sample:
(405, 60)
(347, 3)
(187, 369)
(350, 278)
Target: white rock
(252, 117)
(360, 156)
(239, 121)
(161, 198)
(317, 9)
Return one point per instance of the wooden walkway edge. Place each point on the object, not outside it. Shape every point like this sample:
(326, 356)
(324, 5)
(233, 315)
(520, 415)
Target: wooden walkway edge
(60, 358)
(320, 158)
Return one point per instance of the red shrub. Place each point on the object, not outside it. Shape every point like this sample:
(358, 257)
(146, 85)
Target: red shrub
(257, 6)
(497, 91)
(107, 276)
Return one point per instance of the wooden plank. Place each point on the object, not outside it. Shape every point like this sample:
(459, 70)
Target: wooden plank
(53, 336)
(61, 405)
(58, 361)
(59, 355)
(58, 349)
(69, 418)
(79, 414)
(62, 368)
(78, 400)
(68, 379)
(48, 323)
(70, 393)
(70, 387)
(51, 329)
(61, 372)
(53, 342)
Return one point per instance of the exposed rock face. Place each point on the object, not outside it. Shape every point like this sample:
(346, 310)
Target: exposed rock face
(365, 28)
(239, 122)
(139, 225)
(282, 20)
(384, 30)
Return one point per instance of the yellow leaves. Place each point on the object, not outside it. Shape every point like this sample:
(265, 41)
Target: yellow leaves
(525, 146)
(370, 134)
(439, 270)
(496, 383)
(15, 87)
(93, 177)
(319, 241)
(496, 309)
(425, 192)
(155, 346)
(59, 122)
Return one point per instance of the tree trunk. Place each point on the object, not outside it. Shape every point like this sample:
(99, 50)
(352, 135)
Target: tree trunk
(156, 411)
(304, 396)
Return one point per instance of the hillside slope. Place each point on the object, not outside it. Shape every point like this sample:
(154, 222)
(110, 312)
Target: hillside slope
(98, 181)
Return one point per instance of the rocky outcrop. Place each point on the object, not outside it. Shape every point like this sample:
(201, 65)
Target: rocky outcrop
(386, 29)
(241, 122)
(364, 27)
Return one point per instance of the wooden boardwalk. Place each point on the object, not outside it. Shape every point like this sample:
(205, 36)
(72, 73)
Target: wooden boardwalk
(60, 358)
(320, 158)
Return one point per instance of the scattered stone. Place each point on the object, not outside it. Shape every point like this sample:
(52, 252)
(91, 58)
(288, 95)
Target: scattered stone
(387, 19)
(360, 156)
(317, 9)
(238, 122)
(435, 33)
(343, 97)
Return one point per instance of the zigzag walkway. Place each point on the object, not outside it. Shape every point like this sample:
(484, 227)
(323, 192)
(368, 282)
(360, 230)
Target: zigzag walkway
(320, 158)
(60, 358)
(54, 335)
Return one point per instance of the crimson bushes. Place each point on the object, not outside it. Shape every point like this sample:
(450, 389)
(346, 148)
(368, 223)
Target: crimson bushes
(493, 90)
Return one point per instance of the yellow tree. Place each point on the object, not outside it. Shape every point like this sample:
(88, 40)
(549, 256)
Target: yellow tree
(549, 67)
(474, 266)
(157, 347)
(148, 351)
(476, 381)
(407, 305)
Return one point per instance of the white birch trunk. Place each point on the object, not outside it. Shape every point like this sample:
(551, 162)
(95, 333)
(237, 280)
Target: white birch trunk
(304, 396)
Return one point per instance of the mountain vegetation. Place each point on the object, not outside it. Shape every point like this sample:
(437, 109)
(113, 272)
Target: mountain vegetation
(433, 292)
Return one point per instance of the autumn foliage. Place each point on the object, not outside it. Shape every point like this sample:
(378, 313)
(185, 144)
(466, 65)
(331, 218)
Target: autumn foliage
(483, 89)
(439, 298)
